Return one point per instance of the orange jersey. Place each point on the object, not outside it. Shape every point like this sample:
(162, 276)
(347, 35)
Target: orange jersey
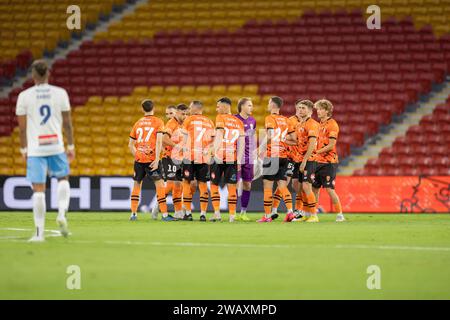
(277, 148)
(328, 129)
(294, 151)
(307, 129)
(144, 133)
(233, 129)
(200, 133)
(173, 129)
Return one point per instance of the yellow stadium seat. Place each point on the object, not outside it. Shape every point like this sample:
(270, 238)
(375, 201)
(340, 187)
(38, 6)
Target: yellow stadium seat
(156, 90)
(171, 90)
(403, 11)
(6, 171)
(20, 171)
(84, 150)
(189, 90)
(100, 151)
(6, 161)
(82, 140)
(121, 137)
(110, 100)
(218, 89)
(235, 89)
(86, 171)
(117, 151)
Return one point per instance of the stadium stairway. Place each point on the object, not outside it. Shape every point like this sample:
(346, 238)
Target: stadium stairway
(397, 136)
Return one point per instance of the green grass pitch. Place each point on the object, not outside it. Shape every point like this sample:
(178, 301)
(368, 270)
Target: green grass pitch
(150, 259)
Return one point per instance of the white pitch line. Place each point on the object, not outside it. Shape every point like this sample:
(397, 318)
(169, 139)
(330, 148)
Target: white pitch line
(277, 246)
(56, 233)
(53, 233)
(20, 229)
(415, 248)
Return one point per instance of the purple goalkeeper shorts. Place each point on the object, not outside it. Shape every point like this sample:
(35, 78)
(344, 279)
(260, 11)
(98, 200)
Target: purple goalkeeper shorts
(246, 172)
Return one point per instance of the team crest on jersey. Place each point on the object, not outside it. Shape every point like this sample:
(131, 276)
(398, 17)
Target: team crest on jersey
(213, 175)
(328, 178)
(186, 173)
(313, 176)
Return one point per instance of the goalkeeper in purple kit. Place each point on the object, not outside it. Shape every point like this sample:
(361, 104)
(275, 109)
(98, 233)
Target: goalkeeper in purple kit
(245, 108)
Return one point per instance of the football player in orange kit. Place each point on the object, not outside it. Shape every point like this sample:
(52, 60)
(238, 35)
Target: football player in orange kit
(327, 158)
(146, 145)
(293, 169)
(170, 113)
(198, 131)
(229, 144)
(173, 157)
(305, 137)
(276, 161)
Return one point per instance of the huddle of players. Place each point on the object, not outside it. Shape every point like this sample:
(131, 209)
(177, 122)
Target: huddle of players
(304, 151)
(197, 150)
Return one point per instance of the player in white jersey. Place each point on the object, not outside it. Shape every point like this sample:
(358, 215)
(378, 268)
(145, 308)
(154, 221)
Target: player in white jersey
(42, 111)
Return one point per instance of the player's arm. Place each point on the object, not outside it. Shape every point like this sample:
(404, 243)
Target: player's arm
(131, 146)
(291, 139)
(23, 135)
(159, 138)
(68, 131)
(167, 141)
(21, 113)
(311, 147)
(266, 140)
(328, 147)
(218, 140)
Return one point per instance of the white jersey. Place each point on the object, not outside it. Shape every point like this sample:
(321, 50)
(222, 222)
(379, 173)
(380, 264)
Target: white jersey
(43, 105)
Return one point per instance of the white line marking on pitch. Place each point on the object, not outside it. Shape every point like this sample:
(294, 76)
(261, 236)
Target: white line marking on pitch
(275, 246)
(53, 233)
(56, 233)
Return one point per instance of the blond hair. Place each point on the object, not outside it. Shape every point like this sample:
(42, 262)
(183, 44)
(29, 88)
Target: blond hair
(324, 104)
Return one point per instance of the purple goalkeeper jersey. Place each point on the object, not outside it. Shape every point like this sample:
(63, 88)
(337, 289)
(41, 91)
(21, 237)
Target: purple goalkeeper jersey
(250, 141)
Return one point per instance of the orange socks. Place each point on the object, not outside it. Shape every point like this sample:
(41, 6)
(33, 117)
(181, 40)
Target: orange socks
(135, 194)
(267, 201)
(187, 195)
(286, 197)
(161, 195)
(215, 197)
(309, 203)
(277, 196)
(232, 198)
(176, 195)
(203, 187)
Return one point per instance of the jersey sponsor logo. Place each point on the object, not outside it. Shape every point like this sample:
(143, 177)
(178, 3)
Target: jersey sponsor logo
(48, 139)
